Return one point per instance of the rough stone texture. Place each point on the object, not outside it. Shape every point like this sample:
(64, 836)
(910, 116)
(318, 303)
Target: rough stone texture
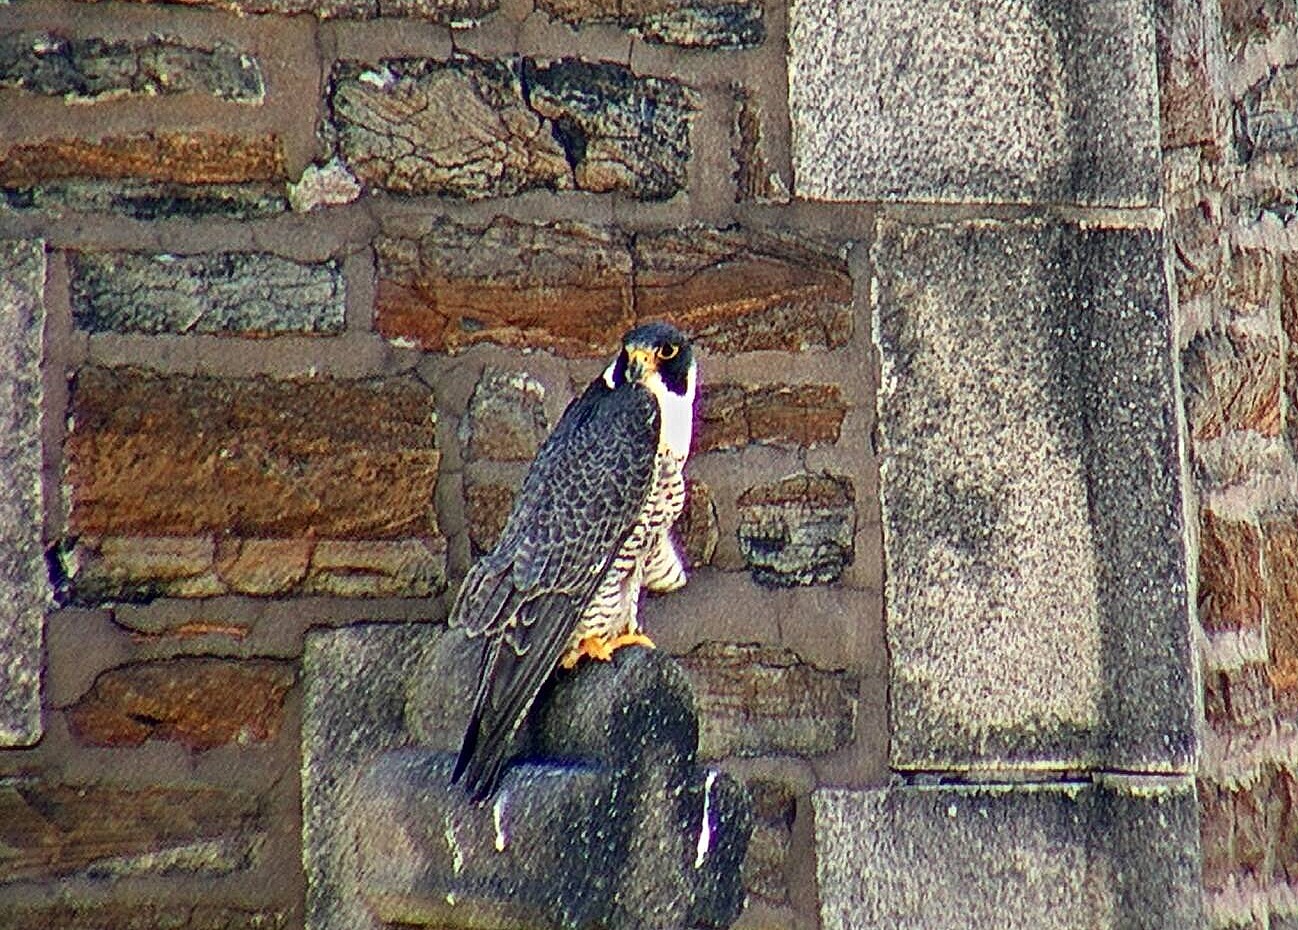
(774, 811)
(388, 840)
(1230, 575)
(194, 486)
(735, 290)
(446, 12)
(1239, 701)
(1245, 20)
(250, 294)
(467, 128)
(732, 416)
(460, 128)
(143, 915)
(1280, 565)
(23, 588)
(184, 455)
(1033, 531)
(49, 830)
(697, 528)
(145, 200)
(91, 69)
(755, 176)
(1232, 381)
(691, 23)
(619, 132)
(486, 508)
(330, 184)
(1043, 856)
(1266, 117)
(1186, 76)
(939, 101)
(757, 700)
(180, 158)
(576, 288)
(505, 421)
(201, 703)
(799, 530)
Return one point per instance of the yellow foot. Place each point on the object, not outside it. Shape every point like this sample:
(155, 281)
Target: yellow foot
(597, 647)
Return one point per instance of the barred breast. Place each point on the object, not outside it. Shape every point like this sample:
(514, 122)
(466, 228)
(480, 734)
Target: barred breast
(648, 558)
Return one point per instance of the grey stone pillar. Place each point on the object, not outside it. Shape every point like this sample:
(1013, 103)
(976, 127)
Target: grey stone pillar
(1038, 623)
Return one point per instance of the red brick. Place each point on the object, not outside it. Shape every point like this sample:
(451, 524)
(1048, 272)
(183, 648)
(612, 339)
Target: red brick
(181, 158)
(199, 702)
(181, 455)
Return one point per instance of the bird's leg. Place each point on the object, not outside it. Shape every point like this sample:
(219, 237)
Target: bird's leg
(601, 648)
(630, 638)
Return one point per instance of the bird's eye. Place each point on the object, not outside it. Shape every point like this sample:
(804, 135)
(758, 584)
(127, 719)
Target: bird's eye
(668, 352)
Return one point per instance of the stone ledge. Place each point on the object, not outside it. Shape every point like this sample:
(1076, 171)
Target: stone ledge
(1045, 857)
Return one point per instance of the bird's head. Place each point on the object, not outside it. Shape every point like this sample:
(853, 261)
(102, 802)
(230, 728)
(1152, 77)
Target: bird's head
(658, 356)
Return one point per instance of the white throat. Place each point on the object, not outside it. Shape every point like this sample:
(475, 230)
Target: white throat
(677, 413)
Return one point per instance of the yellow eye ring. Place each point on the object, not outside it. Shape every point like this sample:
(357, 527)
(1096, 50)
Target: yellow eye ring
(668, 352)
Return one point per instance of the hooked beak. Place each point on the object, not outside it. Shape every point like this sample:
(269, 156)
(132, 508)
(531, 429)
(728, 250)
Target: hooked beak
(639, 362)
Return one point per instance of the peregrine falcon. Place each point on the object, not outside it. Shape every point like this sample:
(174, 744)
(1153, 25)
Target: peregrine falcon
(588, 530)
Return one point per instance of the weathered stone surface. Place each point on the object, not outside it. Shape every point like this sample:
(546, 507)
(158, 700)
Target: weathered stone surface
(1266, 117)
(774, 810)
(486, 507)
(505, 420)
(1280, 562)
(692, 23)
(330, 184)
(566, 286)
(201, 703)
(756, 700)
(1246, 20)
(1187, 95)
(1232, 381)
(146, 200)
(938, 101)
(1239, 701)
(141, 568)
(575, 288)
(1032, 506)
(737, 291)
(93, 68)
(732, 416)
(697, 528)
(184, 455)
(50, 830)
(755, 174)
(230, 293)
(446, 12)
(1230, 575)
(461, 128)
(619, 132)
(799, 530)
(1047, 857)
(179, 158)
(389, 841)
(23, 587)
(144, 915)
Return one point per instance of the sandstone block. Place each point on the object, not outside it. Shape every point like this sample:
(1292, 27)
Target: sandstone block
(755, 176)
(697, 528)
(22, 563)
(619, 132)
(505, 421)
(1266, 117)
(445, 12)
(185, 455)
(1246, 20)
(1047, 857)
(1031, 495)
(732, 416)
(691, 23)
(1239, 701)
(377, 567)
(799, 530)
(134, 914)
(939, 101)
(572, 288)
(1280, 568)
(201, 703)
(460, 128)
(51, 830)
(487, 506)
(1187, 95)
(756, 700)
(229, 293)
(93, 68)
(148, 200)
(200, 157)
(774, 810)
(1232, 381)
(1230, 575)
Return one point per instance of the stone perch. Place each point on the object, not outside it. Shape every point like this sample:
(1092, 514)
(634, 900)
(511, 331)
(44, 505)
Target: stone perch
(610, 822)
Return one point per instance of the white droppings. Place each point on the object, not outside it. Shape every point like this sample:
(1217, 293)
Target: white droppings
(705, 828)
(498, 819)
(382, 79)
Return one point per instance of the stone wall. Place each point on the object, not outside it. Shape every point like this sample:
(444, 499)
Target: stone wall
(292, 290)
